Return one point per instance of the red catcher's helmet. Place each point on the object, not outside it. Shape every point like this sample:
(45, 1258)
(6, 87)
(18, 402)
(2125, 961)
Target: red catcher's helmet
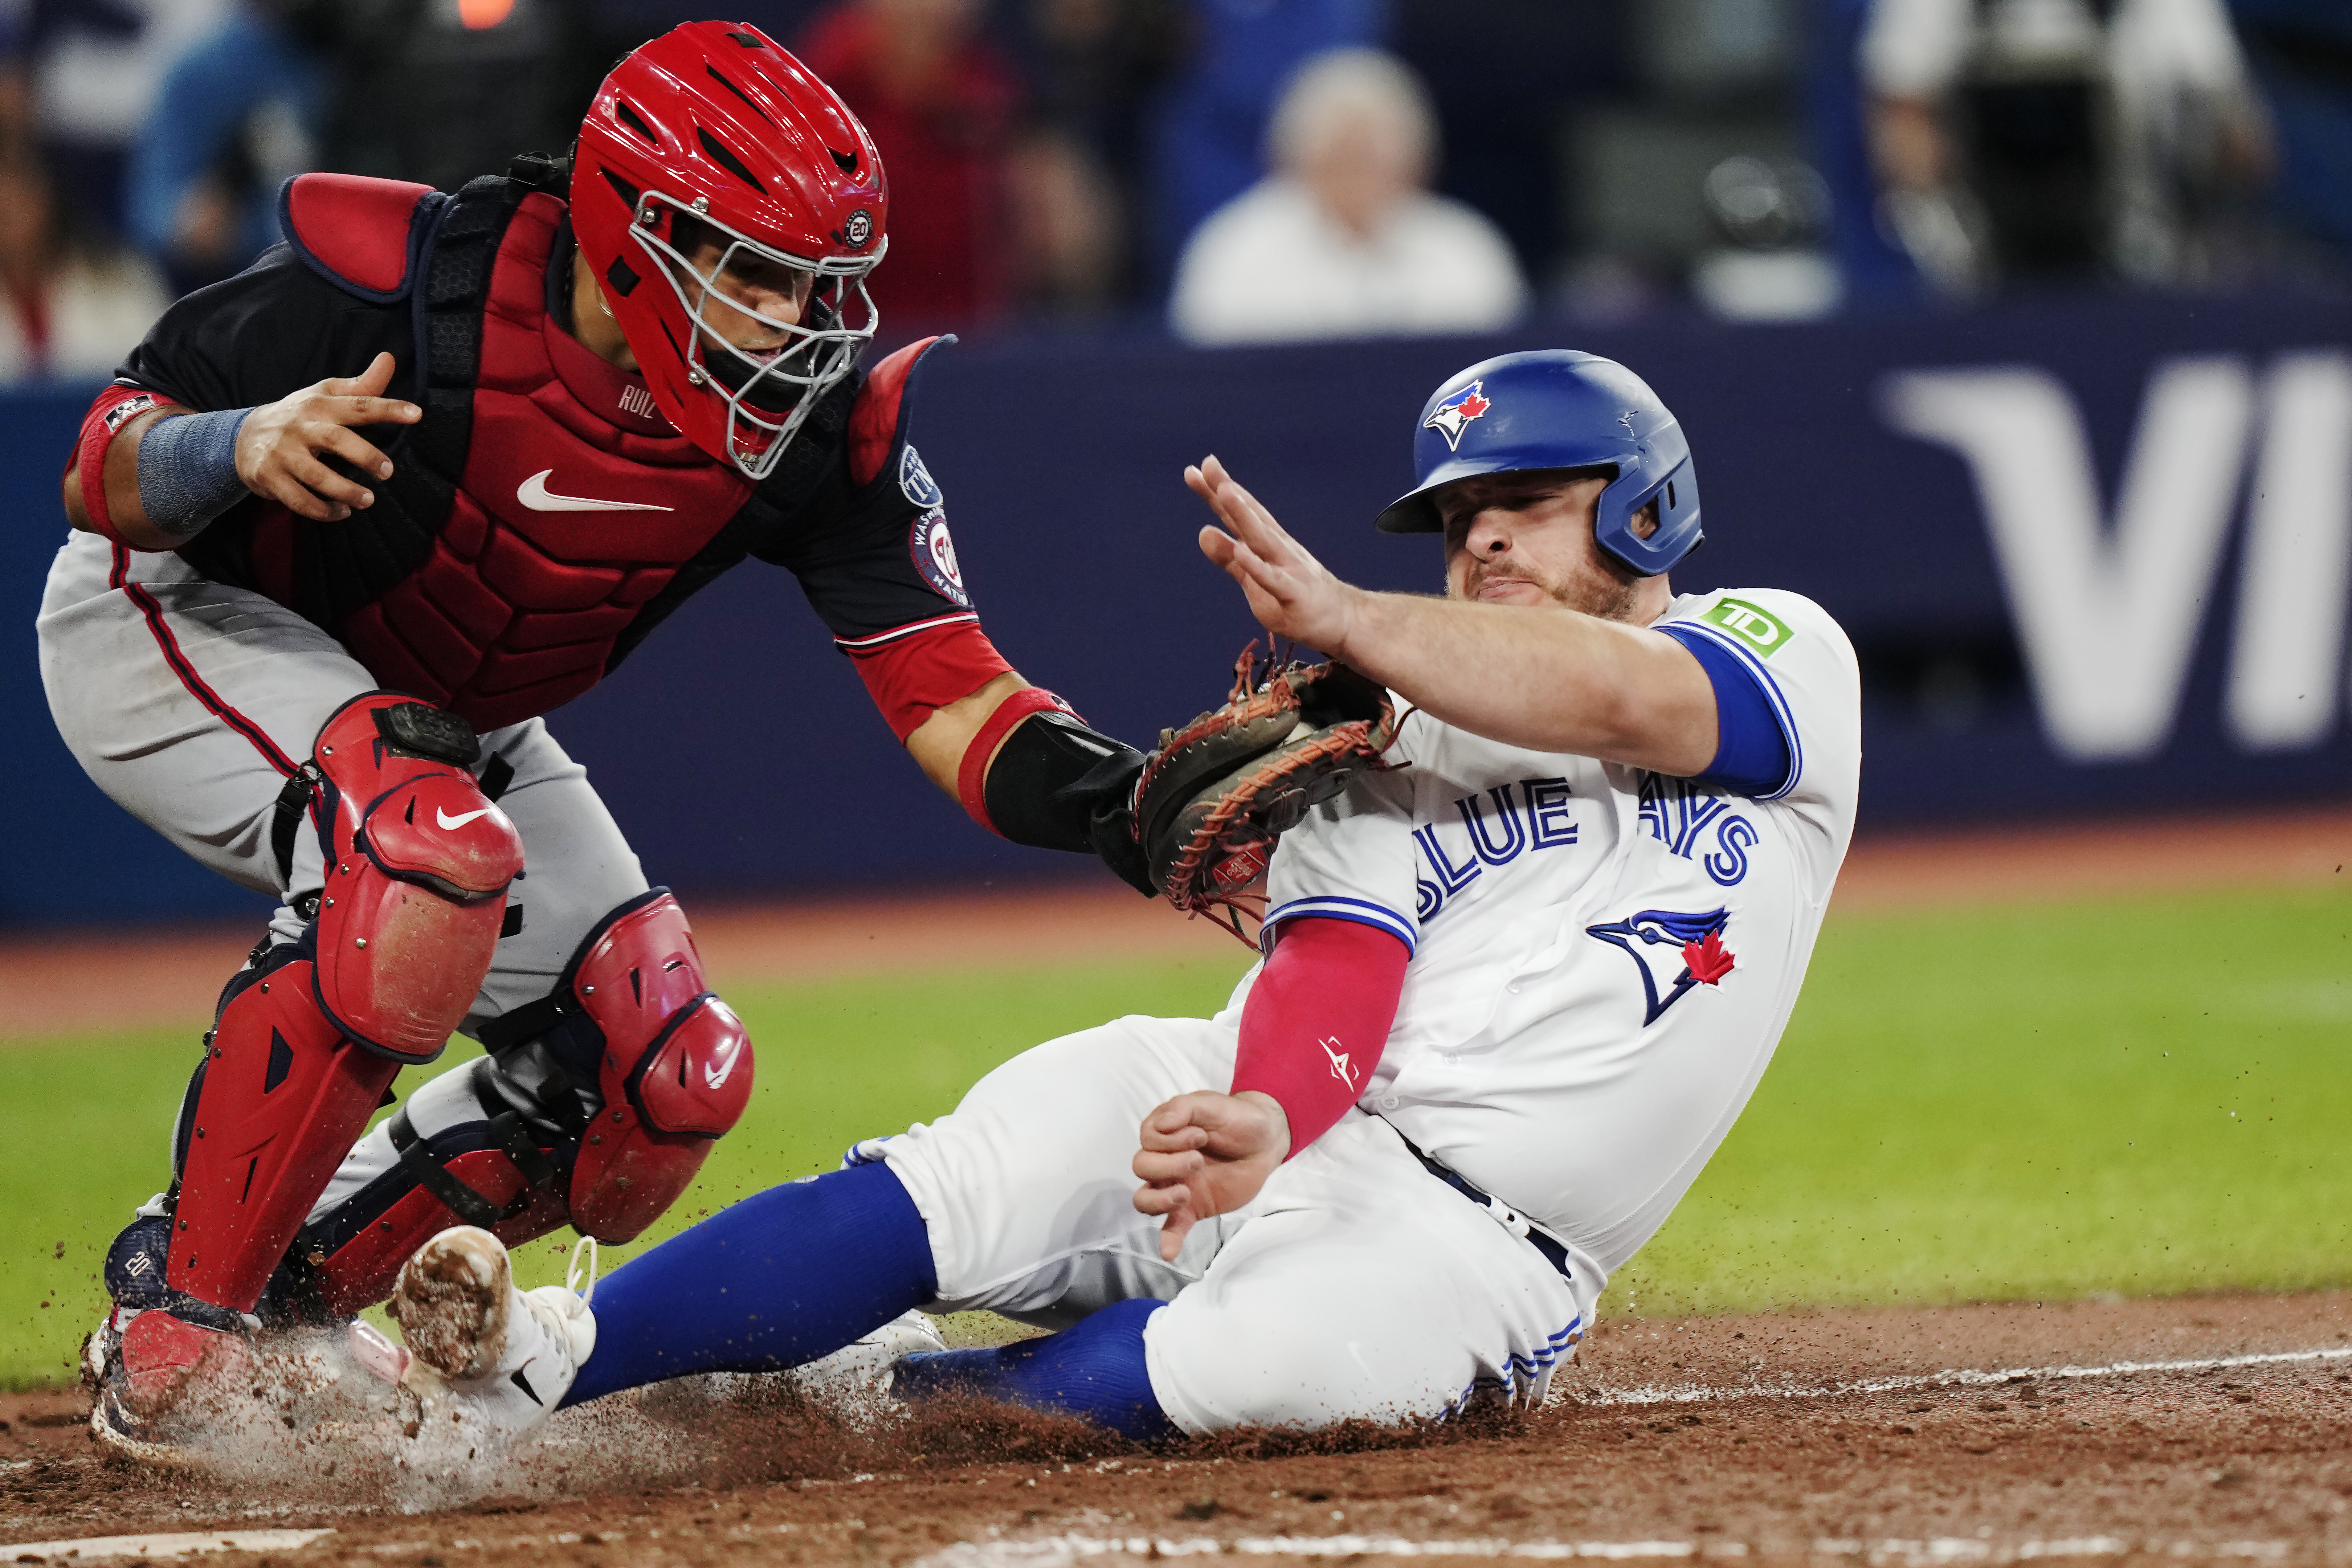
(712, 132)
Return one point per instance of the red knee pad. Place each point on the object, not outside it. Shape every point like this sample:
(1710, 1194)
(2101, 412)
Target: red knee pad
(676, 1071)
(418, 863)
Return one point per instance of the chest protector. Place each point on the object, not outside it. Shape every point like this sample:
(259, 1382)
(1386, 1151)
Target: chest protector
(542, 513)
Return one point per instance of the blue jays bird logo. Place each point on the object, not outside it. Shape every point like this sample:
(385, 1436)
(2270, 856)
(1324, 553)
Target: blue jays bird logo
(1695, 939)
(1453, 416)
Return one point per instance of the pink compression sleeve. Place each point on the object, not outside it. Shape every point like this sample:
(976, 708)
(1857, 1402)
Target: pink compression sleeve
(1317, 1021)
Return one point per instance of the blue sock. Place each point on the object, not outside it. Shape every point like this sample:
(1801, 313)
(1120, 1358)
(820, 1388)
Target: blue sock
(1095, 1370)
(783, 1276)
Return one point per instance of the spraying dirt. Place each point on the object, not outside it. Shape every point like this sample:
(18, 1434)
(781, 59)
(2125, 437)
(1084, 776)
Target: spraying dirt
(2217, 1427)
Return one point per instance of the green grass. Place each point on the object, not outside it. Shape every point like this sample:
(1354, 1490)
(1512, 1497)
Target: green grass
(2146, 1098)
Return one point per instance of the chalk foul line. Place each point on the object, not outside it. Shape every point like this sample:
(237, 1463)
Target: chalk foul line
(1946, 1552)
(182, 1544)
(1045, 1550)
(1661, 1393)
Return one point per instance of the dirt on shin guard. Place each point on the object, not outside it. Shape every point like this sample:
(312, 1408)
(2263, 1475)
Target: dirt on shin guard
(453, 1301)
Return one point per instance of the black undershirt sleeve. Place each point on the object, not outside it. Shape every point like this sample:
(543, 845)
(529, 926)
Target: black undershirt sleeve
(271, 330)
(854, 558)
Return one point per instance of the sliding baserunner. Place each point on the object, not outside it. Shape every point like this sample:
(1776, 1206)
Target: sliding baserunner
(1514, 992)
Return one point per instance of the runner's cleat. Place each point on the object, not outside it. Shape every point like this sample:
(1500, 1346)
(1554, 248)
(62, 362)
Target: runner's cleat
(853, 1383)
(857, 1378)
(492, 1356)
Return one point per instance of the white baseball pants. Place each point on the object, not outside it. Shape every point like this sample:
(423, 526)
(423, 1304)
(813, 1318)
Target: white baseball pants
(1357, 1284)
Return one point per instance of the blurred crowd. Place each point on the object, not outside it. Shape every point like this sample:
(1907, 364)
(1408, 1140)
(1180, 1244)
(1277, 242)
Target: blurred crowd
(1252, 171)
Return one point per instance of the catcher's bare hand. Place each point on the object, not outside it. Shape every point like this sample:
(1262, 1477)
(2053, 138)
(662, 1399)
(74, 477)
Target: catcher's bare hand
(1292, 593)
(1205, 1154)
(279, 444)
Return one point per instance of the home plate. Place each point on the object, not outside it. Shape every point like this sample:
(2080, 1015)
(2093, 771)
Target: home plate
(178, 1545)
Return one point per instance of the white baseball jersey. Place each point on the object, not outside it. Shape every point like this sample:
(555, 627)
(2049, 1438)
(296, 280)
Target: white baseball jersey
(1602, 958)
(1602, 963)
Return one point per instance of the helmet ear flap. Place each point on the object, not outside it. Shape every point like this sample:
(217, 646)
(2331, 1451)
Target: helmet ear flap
(1619, 516)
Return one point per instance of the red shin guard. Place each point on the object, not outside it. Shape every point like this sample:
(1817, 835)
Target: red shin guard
(284, 1097)
(362, 1271)
(418, 861)
(672, 1071)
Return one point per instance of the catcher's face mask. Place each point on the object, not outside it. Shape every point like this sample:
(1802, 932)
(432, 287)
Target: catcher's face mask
(771, 330)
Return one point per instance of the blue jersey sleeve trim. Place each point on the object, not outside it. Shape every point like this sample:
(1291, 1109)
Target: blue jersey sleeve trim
(1757, 753)
(1772, 689)
(1363, 911)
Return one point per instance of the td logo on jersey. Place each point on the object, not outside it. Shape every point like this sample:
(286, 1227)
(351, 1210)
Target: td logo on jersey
(1754, 625)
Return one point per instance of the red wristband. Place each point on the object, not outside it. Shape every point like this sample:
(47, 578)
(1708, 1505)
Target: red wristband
(112, 409)
(971, 776)
(1318, 1018)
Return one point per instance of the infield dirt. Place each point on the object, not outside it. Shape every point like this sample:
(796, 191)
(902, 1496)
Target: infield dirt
(1947, 1435)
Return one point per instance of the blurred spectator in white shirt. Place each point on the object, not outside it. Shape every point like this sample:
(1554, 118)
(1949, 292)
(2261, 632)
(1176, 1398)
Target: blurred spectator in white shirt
(1344, 239)
(2058, 139)
(73, 307)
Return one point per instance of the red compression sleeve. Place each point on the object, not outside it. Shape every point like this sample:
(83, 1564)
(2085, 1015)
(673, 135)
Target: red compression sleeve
(112, 409)
(1317, 1020)
(912, 676)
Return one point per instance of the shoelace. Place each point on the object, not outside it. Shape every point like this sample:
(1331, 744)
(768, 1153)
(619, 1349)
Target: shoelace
(572, 1277)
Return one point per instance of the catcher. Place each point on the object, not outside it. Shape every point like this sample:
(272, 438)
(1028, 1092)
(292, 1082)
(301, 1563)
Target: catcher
(349, 524)
(1526, 951)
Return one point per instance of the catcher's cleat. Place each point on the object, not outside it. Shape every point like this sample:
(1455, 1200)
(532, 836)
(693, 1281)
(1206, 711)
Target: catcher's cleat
(154, 1346)
(141, 1366)
(488, 1354)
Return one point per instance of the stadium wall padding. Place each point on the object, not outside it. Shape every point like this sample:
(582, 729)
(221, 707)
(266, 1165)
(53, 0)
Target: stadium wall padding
(2147, 463)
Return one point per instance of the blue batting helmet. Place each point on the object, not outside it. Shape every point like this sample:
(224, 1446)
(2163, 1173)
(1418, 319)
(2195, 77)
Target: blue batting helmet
(1557, 408)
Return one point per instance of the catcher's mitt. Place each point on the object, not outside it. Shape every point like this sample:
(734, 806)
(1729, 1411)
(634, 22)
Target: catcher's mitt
(1215, 795)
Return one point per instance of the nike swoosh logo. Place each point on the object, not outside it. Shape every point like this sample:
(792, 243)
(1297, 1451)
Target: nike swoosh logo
(447, 821)
(533, 493)
(716, 1074)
